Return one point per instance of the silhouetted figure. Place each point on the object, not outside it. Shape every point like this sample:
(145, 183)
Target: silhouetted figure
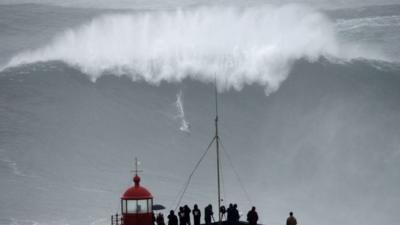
(196, 215)
(160, 219)
(153, 218)
(252, 216)
(230, 213)
(208, 213)
(291, 220)
(187, 211)
(181, 216)
(222, 210)
(236, 215)
(172, 218)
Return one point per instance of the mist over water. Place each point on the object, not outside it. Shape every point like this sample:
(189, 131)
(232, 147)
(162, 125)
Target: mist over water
(251, 45)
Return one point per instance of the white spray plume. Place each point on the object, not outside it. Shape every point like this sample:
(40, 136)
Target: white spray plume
(185, 126)
(253, 45)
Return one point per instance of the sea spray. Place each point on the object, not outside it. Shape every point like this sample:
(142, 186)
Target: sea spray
(239, 45)
(185, 126)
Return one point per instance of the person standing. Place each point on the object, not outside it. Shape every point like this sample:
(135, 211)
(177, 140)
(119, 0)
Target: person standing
(153, 219)
(291, 220)
(196, 215)
(181, 216)
(160, 219)
(172, 218)
(230, 213)
(236, 215)
(208, 213)
(252, 216)
(222, 211)
(187, 211)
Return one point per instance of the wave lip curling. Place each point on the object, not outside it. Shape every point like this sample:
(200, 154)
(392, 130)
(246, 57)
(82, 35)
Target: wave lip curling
(238, 45)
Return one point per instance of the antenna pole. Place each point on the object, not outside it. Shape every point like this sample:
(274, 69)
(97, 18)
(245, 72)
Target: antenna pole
(136, 170)
(136, 166)
(217, 148)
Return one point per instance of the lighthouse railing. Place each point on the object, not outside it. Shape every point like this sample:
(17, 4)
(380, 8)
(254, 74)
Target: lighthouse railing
(116, 219)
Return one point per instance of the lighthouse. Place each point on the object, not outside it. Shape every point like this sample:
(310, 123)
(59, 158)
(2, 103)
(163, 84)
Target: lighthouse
(137, 203)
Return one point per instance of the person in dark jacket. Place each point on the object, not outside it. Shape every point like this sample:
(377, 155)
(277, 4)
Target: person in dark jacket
(208, 214)
(187, 211)
(196, 215)
(181, 216)
(160, 219)
(236, 215)
(230, 213)
(222, 210)
(252, 216)
(172, 218)
(291, 220)
(153, 219)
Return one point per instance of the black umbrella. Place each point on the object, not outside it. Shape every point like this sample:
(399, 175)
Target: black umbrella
(158, 207)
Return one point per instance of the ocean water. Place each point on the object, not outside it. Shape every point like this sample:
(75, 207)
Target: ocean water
(309, 110)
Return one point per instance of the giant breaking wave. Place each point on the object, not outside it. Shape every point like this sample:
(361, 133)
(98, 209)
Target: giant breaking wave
(237, 45)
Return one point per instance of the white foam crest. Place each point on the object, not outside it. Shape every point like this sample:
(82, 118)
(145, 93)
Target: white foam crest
(253, 45)
(24, 222)
(358, 23)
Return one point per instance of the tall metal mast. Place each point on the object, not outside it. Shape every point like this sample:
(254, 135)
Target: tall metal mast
(217, 148)
(216, 139)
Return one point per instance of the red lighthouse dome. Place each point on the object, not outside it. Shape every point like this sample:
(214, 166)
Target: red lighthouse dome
(137, 204)
(137, 191)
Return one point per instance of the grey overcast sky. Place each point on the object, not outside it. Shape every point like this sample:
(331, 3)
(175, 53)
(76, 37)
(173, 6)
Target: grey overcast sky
(177, 3)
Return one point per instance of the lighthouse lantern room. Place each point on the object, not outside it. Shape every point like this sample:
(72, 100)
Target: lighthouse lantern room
(137, 203)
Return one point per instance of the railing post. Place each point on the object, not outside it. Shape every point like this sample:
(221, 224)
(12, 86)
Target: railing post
(117, 219)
